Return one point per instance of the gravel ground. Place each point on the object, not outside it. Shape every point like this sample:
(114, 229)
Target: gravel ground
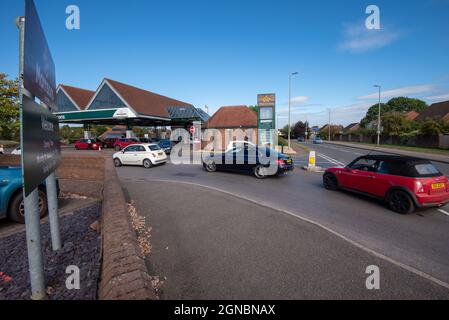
(81, 248)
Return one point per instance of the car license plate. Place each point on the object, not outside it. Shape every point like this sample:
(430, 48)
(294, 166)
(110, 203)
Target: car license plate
(289, 161)
(437, 186)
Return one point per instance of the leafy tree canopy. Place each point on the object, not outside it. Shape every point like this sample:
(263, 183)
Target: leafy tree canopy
(9, 108)
(400, 104)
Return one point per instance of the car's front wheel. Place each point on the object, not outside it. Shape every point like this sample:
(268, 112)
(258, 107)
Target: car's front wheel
(210, 166)
(400, 202)
(330, 182)
(117, 162)
(16, 210)
(147, 164)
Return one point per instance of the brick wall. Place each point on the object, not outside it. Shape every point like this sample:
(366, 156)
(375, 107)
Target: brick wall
(124, 274)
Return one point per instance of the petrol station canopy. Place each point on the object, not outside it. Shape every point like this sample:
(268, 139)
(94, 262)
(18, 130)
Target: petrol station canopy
(116, 103)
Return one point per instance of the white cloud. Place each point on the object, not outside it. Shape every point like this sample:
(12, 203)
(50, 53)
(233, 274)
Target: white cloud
(443, 97)
(405, 91)
(357, 38)
(299, 100)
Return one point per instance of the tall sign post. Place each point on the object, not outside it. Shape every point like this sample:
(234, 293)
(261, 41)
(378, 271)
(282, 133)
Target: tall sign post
(39, 140)
(266, 104)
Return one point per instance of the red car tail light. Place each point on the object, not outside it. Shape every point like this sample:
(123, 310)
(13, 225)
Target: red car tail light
(419, 187)
(281, 162)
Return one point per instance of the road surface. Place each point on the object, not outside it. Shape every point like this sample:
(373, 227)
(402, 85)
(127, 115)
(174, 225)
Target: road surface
(418, 241)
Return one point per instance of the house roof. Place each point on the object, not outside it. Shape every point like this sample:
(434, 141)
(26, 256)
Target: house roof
(146, 102)
(412, 115)
(80, 96)
(351, 126)
(233, 117)
(437, 110)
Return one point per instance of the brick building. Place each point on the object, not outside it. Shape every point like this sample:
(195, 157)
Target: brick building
(235, 123)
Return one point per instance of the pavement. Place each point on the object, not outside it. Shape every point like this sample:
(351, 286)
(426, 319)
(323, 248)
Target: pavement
(212, 245)
(418, 154)
(417, 241)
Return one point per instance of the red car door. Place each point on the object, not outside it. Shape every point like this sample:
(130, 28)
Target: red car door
(357, 176)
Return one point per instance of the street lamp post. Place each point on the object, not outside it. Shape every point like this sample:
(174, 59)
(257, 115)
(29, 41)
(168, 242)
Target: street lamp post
(289, 106)
(378, 116)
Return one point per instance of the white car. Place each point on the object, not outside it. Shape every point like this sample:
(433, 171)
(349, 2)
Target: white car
(145, 154)
(17, 151)
(239, 145)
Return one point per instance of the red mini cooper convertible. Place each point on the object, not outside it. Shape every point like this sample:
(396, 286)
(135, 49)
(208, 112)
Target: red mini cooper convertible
(404, 183)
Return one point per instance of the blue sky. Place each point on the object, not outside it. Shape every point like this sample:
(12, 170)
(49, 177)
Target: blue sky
(219, 52)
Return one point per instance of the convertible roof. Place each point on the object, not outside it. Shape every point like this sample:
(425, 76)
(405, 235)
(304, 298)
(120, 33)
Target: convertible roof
(394, 158)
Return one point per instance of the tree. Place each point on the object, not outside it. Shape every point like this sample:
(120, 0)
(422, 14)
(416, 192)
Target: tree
(400, 104)
(254, 108)
(433, 127)
(395, 123)
(9, 108)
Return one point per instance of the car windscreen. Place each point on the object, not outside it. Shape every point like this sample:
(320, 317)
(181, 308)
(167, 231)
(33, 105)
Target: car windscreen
(154, 148)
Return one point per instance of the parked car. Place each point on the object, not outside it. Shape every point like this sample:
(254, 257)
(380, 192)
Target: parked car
(17, 151)
(404, 183)
(109, 143)
(301, 139)
(11, 195)
(249, 160)
(318, 140)
(87, 144)
(120, 144)
(147, 155)
(166, 145)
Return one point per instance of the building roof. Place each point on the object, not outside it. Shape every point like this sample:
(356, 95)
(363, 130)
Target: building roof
(412, 115)
(146, 102)
(80, 96)
(435, 111)
(351, 126)
(233, 117)
(188, 112)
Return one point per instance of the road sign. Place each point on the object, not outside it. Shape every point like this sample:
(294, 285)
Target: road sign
(41, 147)
(39, 68)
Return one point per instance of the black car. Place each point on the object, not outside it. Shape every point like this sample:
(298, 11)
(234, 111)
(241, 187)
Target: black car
(255, 160)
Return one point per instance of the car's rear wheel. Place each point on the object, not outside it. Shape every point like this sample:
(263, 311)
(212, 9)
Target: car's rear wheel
(330, 182)
(16, 210)
(117, 162)
(260, 172)
(147, 164)
(210, 166)
(400, 202)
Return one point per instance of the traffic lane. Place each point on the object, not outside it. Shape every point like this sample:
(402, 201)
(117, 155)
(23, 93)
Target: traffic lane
(347, 154)
(210, 245)
(360, 219)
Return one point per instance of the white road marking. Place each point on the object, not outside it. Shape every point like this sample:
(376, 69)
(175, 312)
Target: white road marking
(443, 212)
(331, 160)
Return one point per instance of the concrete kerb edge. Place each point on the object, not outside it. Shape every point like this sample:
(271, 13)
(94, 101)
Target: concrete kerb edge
(110, 285)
